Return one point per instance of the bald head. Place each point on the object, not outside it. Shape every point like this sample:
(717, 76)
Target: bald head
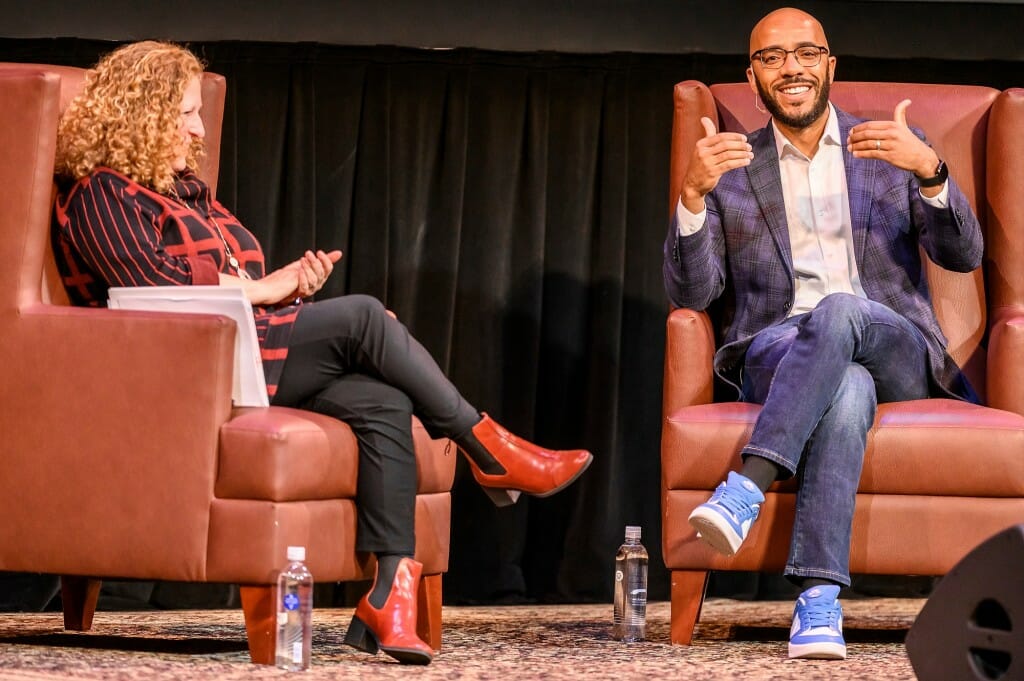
(780, 26)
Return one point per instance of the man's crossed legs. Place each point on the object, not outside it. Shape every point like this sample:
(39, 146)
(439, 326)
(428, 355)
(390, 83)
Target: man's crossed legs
(819, 377)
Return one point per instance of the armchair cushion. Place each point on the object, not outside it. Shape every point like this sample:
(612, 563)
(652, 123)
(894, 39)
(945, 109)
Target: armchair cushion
(938, 447)
(282, 454)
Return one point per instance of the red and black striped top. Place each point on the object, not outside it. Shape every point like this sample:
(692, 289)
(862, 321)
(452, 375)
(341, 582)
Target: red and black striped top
(111, 231)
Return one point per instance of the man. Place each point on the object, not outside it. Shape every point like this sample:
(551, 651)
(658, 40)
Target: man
(810, 231)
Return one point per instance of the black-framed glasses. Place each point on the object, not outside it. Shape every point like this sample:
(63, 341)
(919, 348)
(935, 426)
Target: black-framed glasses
(775, 57)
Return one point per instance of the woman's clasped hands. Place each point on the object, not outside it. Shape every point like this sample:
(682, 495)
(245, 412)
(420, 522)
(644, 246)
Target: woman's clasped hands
(312, 271)
(298, 279)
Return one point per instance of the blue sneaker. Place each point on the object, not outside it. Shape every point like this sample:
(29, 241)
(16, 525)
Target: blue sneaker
(724, 520)
(817, 631)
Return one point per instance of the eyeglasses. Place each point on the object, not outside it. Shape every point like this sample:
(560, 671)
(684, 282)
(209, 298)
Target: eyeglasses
(775, 57)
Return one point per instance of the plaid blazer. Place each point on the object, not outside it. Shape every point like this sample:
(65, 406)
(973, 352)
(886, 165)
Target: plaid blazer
(742, 254)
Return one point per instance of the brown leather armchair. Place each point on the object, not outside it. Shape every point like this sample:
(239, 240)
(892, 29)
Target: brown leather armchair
(940, 476)
(123, 456)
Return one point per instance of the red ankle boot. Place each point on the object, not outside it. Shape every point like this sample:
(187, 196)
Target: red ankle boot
(393, 627)
(528, 468)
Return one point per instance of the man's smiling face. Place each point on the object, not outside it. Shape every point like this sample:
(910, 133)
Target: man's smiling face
(795, 95)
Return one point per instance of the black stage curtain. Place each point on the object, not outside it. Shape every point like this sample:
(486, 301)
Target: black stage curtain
(511, 209)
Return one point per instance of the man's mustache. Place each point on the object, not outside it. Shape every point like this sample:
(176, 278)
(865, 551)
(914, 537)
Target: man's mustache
(795, 81)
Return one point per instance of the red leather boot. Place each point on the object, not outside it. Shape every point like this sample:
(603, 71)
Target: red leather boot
(528, 468)
(393, 627)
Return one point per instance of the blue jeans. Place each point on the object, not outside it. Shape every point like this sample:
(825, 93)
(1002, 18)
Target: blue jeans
(819, 377)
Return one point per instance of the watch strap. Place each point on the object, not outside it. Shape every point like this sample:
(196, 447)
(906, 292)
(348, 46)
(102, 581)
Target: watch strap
(940, 176)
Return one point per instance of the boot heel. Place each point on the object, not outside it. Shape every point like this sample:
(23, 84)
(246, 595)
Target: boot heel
(502, 497)
(359, 636)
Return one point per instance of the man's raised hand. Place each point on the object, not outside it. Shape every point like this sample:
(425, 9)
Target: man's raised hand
(893, 142)
(714, 155)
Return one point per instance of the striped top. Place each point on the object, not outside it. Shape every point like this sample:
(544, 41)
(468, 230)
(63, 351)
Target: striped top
(111, 231)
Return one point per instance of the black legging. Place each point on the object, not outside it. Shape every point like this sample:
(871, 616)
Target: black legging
(348, 358)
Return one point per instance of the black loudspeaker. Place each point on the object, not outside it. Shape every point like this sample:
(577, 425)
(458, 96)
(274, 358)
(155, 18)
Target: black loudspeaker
(972, 626)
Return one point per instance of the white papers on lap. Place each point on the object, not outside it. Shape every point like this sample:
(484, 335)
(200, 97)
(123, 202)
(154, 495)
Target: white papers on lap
(249, 388)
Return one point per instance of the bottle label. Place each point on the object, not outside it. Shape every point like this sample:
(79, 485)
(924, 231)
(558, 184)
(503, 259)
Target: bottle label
(291, 601)
(618, 575)
(297, 652)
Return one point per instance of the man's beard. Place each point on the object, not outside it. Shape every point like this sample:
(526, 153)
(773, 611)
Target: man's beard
(793, 121)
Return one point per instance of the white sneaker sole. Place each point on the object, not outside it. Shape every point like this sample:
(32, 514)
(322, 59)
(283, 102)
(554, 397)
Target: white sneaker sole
(817, 651)
(714, 531)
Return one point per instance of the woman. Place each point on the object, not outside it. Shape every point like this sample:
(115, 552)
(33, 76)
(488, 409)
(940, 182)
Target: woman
(132, 212)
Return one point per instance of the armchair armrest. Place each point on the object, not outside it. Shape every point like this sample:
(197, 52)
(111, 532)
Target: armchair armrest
(249, 388)
(111, 423)
(1005, 370)
(689, 358)
(180, 361)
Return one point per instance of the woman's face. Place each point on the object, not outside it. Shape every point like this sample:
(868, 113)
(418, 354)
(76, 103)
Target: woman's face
(191, 125)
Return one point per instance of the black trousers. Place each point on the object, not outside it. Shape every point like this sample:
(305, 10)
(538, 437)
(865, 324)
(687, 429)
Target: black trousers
(348, 358)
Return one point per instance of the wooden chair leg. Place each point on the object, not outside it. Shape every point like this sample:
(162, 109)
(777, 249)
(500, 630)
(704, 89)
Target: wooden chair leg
(260, 621)
(688, 588)
(428, 611)
(78, 596)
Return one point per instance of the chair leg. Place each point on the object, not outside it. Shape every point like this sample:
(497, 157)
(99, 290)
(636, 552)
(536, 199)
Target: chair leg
(428, 611)
(260, 621)
(688, 587)
(78, 596)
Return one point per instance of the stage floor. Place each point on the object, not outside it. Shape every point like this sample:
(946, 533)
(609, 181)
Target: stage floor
(734, 640)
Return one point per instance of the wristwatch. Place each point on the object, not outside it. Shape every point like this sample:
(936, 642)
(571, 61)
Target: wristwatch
(941, 173)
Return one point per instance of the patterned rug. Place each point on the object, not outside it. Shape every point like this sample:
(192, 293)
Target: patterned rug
(734, 640)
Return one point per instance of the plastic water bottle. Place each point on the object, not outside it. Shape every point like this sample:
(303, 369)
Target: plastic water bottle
(294, 612)
(630, 618)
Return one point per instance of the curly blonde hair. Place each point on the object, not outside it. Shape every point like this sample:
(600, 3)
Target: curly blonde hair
(128, 115)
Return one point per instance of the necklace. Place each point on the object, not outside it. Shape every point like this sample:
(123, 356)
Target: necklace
(232, 260)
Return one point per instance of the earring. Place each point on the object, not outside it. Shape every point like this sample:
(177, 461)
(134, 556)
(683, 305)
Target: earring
(757, 104)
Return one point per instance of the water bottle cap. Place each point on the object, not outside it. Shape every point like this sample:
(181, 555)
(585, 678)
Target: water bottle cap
(296, 553)
(632, 532)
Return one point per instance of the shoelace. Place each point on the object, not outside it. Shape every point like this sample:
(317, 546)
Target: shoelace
(733, 501)
(818, 613)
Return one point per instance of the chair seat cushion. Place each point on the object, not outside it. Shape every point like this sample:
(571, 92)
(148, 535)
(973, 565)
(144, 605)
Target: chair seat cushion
(929, 447)
(283, 454)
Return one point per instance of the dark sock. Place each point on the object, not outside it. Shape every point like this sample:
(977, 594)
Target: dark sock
(762, 472)
(387, 566)
(811, 582)
(468, 443)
